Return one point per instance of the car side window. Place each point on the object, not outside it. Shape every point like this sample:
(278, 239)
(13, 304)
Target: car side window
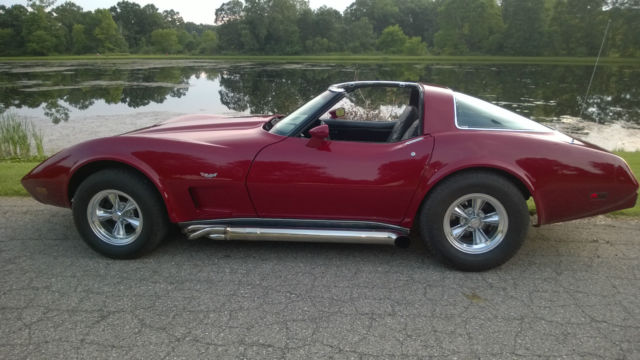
(473, 113)
(379, 114)
(380, 104)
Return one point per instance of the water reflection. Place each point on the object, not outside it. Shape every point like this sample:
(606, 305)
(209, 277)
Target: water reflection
(59, 91)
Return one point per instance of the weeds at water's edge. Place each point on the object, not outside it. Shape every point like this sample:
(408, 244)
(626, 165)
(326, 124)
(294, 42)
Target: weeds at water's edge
(18, 137)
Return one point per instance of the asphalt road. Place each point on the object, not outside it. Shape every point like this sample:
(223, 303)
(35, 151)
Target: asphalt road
(572, 291)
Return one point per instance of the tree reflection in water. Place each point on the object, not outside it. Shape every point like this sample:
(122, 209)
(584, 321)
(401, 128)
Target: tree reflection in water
(536, 91)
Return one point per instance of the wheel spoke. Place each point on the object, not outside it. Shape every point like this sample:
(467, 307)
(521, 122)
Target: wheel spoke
(129, 205)
(118, 230)
(492, 219)
(115, 201)
(457, 231)
(477, 204)
(103, 214)
(135, 222)
(459, 212)
(479, 237)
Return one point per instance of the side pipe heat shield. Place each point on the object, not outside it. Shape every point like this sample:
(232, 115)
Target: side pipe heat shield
(320, 235)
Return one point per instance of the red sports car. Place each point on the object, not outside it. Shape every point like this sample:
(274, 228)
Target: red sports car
(363, 162)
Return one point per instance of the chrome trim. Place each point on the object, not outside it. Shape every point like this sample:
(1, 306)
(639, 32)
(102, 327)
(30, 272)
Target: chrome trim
(357, 84)
(299, 223)
(217, 232)
(414, 140)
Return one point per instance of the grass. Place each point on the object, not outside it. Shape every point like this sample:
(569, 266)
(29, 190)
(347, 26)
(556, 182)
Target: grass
(633, 159)
(17, 137)
(11, 171)
(347, 58)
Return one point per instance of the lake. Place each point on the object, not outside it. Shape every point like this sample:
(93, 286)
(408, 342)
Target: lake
(98, 98)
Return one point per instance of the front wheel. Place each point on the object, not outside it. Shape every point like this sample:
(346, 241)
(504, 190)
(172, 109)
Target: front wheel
(119, 214)
(475, 221)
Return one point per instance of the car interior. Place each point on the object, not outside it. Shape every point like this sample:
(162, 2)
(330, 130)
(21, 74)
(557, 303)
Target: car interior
(374, 114)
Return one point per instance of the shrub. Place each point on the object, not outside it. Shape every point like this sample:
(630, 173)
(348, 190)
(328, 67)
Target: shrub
(17, 137)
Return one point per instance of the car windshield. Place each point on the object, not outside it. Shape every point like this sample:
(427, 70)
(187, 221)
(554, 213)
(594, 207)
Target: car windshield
(473, 113)
(291, 121)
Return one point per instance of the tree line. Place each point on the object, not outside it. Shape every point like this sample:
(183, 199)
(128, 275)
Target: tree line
(291, 27)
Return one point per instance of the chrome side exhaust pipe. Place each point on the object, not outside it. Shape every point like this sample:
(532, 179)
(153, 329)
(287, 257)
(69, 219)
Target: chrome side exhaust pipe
(221, 232)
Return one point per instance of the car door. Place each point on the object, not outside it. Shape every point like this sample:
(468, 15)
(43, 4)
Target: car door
(313, 179)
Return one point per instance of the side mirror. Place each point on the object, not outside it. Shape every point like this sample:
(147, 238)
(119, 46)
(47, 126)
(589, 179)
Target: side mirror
(320, 132)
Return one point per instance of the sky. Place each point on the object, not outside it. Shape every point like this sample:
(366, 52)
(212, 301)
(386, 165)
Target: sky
(197, 11)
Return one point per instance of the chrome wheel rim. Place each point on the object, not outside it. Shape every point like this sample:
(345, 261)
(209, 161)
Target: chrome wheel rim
(475, 223)
(114, 217)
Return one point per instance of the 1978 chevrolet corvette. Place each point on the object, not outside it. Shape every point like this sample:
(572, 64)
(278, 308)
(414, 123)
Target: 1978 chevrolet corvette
(363, 162)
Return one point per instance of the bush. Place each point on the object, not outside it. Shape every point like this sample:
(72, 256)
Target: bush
(17, 137)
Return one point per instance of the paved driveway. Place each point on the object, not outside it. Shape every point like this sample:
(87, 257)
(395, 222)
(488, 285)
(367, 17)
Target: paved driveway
(573, 290)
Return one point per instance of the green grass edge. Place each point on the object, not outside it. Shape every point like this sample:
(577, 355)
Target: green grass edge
(345, 58)
(11, 171)
(633, 160)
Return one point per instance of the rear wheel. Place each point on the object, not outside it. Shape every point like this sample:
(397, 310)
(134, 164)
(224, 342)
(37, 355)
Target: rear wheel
(475, 221)
(119, 213)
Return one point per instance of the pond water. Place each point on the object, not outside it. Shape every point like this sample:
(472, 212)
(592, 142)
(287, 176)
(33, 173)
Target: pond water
(77, 92)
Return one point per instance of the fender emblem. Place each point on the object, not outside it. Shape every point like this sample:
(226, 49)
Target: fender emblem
(208, 176)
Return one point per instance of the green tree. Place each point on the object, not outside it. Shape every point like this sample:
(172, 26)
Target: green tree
(137, 23)
(68, 14)
(6, 35)
(576, 27)
(392, 40)
(282, 31)
(42, 35)
(229, 11)
(625, 27)
(208, 43)
(79, 42)
(361, 38)
(106, 33)
(254, 28)
(165, 41)
(187, 41)
(469, 27)
(415, 46)
(172, 19)
(306, 26)
(418, 18)
(12, 20)
(41, 43)
(230, 21)
(328, 24)
(524, 27)
(380, 13)
(128, 16)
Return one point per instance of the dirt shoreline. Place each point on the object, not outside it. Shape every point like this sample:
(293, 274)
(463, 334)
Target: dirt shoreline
(618, 136)
(613, 137)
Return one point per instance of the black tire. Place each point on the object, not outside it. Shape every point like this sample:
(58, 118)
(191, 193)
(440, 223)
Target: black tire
(475, 240)
(112, 232)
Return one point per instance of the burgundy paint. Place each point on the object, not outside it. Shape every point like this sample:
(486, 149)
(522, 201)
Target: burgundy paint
(262, 174)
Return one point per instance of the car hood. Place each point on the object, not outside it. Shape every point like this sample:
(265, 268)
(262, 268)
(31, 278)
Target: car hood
(214, 130)
(201, 122)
